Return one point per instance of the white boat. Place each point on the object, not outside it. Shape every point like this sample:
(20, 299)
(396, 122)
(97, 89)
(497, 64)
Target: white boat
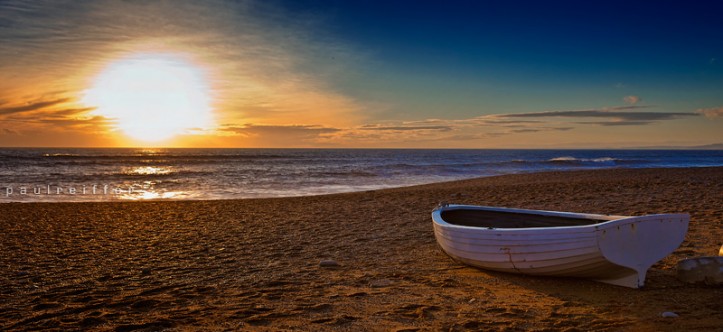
(617, 250)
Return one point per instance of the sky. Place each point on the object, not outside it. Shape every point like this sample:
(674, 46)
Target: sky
(361, 74)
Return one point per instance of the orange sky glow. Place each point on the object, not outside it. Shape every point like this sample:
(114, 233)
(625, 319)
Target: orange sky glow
(226, 74)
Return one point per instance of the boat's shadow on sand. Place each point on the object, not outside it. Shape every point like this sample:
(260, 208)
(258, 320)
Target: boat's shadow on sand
(564, 302)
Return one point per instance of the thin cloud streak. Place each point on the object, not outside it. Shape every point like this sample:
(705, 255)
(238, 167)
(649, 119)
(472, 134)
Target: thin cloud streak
(615, 113)
(55, 115)
(404, 128)
(615, 123)
(31, 107)
(304, 130)
(716, 112)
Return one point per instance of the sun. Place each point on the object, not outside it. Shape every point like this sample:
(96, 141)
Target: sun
(152, 97)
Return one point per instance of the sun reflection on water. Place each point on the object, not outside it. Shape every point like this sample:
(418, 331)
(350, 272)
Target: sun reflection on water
(149, 170)
(148, 189)
(149, 152)
(142, 195)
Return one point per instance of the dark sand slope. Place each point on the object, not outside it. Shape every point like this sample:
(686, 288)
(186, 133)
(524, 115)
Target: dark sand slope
(254, 264)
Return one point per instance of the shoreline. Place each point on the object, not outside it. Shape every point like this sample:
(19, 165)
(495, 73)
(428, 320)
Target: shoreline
(254, 264)
(109, 190)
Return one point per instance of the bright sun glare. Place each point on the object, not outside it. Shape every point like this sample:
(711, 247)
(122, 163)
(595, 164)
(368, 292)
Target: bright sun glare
(152, 97)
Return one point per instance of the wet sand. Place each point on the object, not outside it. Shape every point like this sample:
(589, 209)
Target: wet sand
(255, 264)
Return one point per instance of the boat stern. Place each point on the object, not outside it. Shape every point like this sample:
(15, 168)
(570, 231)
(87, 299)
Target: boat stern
(637, 243)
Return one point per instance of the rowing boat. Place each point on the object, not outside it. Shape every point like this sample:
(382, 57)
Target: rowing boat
(617, 250)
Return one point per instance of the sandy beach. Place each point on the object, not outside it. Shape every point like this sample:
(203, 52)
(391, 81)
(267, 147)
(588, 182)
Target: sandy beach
(255, 264)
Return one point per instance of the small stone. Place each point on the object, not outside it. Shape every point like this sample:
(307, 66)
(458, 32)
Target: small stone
(707, 270)
(328, 263)
(669, 314)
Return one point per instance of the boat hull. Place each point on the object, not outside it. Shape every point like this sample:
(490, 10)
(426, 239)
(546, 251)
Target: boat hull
(618, 250)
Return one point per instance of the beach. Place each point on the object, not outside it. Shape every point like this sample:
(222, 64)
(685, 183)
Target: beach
(254, 264)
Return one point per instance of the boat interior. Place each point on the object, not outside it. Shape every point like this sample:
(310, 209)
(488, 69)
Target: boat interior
(495, 219)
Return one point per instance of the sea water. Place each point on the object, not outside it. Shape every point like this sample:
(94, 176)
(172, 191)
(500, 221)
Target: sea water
(29, 175)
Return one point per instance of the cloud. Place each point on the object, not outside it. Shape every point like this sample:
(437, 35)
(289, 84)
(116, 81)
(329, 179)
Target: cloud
(438, 131)
(522, 131)
(614, 113)
(494, 121)
(615, 123)
(392, 132)
(284, 130)
(471, 136)
(93, 123)
(484, 120)
(405, 128)
(538, 129)
(632, 100)
(32, 106)
(715, 112)
(55, 115)
(70, 112)
(281, 136)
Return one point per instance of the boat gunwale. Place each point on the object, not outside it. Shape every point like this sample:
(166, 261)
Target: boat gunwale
(612, 220)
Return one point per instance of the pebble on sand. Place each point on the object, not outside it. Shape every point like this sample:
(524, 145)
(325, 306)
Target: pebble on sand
(328, 263)
(669, 314)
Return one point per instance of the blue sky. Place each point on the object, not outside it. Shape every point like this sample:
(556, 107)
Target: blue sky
(564, 52)
(544, 74)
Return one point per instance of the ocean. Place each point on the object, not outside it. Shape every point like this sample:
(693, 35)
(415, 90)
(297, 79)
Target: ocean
(55, 175)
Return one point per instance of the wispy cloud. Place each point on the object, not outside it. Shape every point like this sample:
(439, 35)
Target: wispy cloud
(306, 131)
(405, 128)
(470, 137)
(618, 115)
(95, 123)
(261, 135)
(615, 123)
(632, 100)
(715, 112)
(31, 106)
(51, 116)
(522, 131)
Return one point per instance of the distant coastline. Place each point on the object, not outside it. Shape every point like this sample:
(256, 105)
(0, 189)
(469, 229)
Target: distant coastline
(672, 147)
